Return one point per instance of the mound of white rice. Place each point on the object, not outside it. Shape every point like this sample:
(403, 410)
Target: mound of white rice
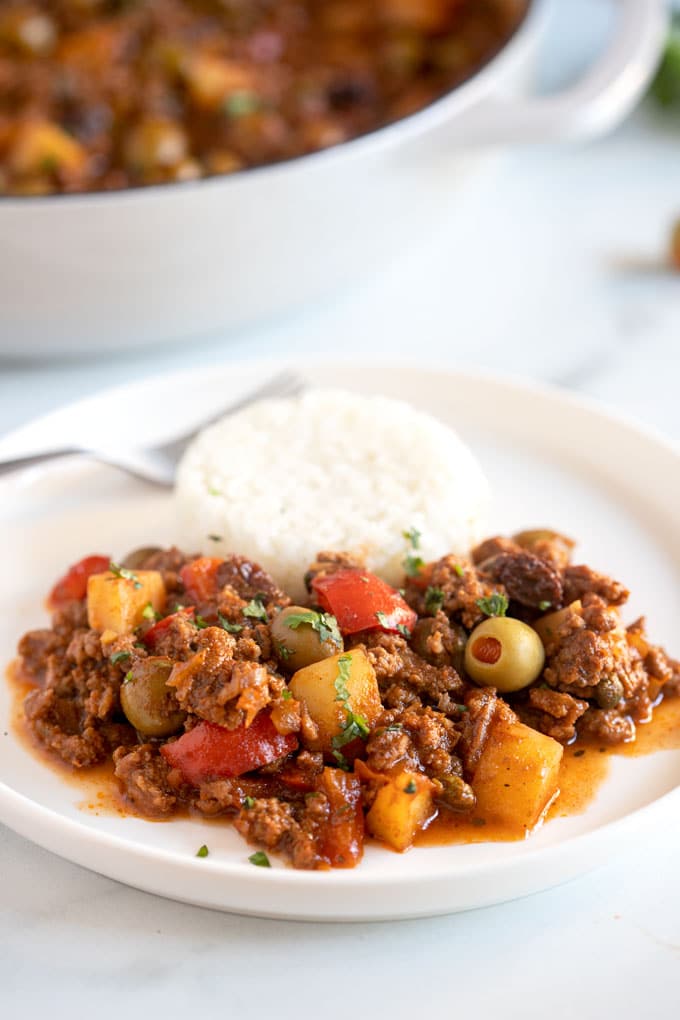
(284, 479)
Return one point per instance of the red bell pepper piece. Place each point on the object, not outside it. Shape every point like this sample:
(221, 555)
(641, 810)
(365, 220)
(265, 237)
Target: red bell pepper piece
(155, 633)
(361, 601)
(73, 585)
(341, 840)
(213, 751)
(200, 578)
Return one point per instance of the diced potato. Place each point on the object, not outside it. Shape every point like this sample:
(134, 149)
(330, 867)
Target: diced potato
(546, 626)
(315, 685)
(41, 147)
(117, 603)
(402, 807)
(517, 777)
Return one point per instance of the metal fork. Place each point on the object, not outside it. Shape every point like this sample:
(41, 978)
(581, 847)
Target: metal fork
(157, 464)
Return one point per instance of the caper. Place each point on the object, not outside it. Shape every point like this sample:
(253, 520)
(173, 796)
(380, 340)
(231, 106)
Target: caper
(302, 636)
(136, 559)
(504, 653)
(149, 704)
(609, 692)
(456, 793)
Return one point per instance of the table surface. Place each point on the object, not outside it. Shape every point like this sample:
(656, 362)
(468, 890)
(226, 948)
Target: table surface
(567, 239)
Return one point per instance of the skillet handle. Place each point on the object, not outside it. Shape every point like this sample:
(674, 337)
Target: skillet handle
(596, 102)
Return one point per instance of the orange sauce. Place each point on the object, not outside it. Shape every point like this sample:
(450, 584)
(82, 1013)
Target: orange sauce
(583, 769)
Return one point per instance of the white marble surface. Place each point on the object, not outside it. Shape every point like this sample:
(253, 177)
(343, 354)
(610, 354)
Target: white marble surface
(540, 290)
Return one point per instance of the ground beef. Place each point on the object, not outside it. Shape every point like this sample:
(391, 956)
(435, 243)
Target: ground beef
(218, 797)
(526, 578)
(439, 642)
(579, 580)
(554, 713)
(178, 639)
(390, 746)
(606, 726)
(330, 562)
(395, 662)
(143, 774)
(484, 708)
(461, 587)
(168, 562)
(269, 823)
(35, 649)
(491, 547)
(64, 728)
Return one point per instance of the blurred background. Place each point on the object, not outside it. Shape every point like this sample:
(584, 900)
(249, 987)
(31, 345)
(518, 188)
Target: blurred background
(553, 263)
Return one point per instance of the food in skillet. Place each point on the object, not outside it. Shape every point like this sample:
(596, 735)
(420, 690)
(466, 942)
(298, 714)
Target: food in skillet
(363, 710)
(109, 94)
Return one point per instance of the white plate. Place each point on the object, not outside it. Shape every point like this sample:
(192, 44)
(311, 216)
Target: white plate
(551, 459)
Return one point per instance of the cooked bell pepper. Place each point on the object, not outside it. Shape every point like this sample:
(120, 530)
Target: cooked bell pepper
(73, 585)
(155, 633)
(362, 601)
(209, 750)
(341, 839)
(200, 578)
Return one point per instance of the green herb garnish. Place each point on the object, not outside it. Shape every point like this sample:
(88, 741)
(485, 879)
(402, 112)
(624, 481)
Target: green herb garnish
(493, 605)
(249, 802)
(231, 628)
(119, 657)
(413, 565)
(255, 609)
(283, 651)
(403, 630)
(286, 694)
(128, 677)
(410, 786)
(259, 859)
(149, 613)
(413, 536)
(324, 624)
(242, 103)
(342, 761)
(127, 575)
(355, 724)
(459, 570)
(215, 538)
(544, 605)
(434, 600)
(202, 851)
(665, 88)
(200, 622)
(212, 491)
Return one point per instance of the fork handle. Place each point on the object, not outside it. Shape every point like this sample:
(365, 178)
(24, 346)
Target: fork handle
(32, 459)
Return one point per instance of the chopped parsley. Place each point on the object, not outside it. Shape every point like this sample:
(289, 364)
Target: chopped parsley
(544, 605)
(494, 605)
(286, 694)
(202, 851)
(413, 536)
(324, 624)
(259, 859)
(125, 574)
(403, 630)
(212, 491)
(434, 600)
(119, 657)
(459, 570)
(383, 621)
(249, 802)
(128, 677)
(231, 628)
(355, 724)
(342, 761)
(283, 651)
(200, 622)
(241, 103)
(413, 565)
(215, 538)
(410, 786)
(255, 609)
(149, 613)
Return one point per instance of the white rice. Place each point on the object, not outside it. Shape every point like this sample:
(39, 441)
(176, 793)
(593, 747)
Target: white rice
(284, 479)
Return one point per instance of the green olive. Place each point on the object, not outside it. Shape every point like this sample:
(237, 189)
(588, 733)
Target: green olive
(136, 559)
(302, 636)
(149, 704)
(504, 653)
